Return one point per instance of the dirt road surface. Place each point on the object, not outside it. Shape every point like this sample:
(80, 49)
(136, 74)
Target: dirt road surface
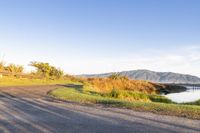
(29, 110)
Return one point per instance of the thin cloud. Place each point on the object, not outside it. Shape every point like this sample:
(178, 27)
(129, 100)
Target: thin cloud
(185, 60)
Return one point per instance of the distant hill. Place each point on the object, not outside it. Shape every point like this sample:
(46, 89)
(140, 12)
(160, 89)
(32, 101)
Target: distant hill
(157, 77)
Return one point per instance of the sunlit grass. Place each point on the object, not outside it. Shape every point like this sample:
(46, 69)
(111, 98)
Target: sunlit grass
(105, 85)
(13, 81)
(83, 96)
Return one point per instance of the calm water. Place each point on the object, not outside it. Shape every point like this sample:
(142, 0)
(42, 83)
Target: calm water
(190, 95)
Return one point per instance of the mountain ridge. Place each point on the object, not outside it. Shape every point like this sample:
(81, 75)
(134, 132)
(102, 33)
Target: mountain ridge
(157, 77)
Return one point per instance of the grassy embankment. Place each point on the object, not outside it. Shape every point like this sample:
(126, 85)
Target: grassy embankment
(141, 98)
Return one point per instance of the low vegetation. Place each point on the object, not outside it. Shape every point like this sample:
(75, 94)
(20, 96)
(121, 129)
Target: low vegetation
(131, 100)
(20, 81)
(119, 91)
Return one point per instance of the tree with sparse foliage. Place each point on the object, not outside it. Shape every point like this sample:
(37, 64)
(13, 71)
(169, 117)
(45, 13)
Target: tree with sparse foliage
(55, 72)
(46, 70)
(1, 66)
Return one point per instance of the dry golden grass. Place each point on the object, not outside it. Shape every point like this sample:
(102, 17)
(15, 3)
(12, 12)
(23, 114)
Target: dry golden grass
(106, 85)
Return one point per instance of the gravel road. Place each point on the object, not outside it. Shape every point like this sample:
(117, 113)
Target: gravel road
(29, 110)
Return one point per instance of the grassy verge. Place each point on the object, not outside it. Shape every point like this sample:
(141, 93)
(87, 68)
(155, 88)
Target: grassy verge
(13, 81)
(82, 96)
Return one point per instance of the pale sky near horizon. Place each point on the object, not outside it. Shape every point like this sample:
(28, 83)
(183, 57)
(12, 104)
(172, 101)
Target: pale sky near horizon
(97, 36)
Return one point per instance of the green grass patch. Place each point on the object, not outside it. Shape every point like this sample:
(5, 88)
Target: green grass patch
(74, 94)
(128, 95)
(83, 95)
(160, 99)
(13, 81)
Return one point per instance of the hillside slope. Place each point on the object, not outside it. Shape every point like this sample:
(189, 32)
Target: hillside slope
(157, 77)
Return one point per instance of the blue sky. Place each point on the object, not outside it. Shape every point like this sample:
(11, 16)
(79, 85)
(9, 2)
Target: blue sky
(95, 36)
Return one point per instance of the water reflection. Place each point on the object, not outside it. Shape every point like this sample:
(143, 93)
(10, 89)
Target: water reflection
(191, 95)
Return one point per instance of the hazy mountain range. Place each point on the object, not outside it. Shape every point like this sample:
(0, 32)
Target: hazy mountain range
(158, 77)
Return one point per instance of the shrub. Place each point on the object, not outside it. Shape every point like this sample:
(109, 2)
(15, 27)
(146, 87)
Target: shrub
(46, 70)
